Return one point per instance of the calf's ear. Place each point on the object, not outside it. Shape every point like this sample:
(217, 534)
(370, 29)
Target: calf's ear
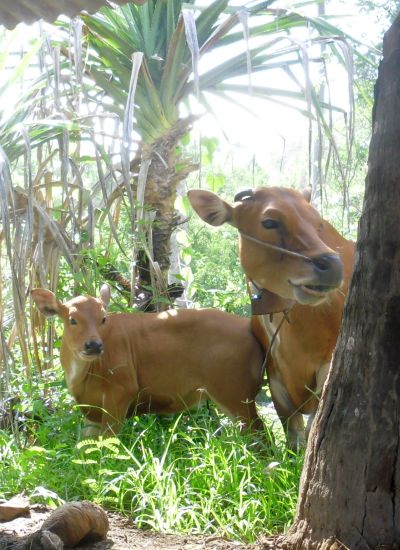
(211, 208)
(105, 295)
(46, 302)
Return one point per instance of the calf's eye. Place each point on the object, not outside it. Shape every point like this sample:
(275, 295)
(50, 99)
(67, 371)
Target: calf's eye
(103, 321)
(72, 321)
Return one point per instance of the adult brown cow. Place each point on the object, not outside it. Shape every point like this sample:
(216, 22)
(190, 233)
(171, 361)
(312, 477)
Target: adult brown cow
(298, 268)
(134, 363)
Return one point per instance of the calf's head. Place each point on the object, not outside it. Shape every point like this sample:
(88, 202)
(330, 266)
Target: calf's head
(285, 219)
(84, 319)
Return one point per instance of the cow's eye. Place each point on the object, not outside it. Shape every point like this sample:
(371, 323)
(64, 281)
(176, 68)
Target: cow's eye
(103, 321)
(269, 223)
(72, 321)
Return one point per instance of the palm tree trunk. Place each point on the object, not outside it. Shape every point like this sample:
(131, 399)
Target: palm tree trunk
(167, 170)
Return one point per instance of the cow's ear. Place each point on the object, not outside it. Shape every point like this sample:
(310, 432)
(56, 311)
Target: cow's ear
(307, 193)
(105, 295)
(46, 302)
(211, 208)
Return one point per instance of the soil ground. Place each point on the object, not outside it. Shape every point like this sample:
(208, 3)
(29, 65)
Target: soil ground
(123, 536)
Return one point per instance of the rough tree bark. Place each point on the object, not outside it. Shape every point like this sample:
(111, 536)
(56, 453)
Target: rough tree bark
(350, 488)
(167, 170)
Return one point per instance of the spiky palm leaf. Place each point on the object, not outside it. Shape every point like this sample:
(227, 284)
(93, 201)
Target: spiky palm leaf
(173, 37)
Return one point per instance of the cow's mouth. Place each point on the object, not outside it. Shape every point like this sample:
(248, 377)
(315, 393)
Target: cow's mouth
(89, 356)
(316, 290)
(311, 294)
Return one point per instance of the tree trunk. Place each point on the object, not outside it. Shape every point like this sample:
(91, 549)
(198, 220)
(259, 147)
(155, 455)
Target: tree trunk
(167, 169)
(350, 488)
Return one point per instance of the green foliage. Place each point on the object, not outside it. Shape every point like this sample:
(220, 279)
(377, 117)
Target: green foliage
(218, 279)
(189, 473)
(174, 36)
(180, 473)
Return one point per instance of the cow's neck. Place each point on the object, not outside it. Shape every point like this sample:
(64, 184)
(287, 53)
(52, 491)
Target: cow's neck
(264, 302)
(76, 372)
(272, 324)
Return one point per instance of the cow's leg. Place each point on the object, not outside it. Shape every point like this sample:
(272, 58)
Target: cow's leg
(116, 402)
(246, 412)
(238, 406)
(90, 429)
(292, 420)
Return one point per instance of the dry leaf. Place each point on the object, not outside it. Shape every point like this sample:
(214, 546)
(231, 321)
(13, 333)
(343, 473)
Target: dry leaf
(16, 506)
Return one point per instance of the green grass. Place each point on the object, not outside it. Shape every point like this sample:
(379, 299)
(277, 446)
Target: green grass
(185, 473)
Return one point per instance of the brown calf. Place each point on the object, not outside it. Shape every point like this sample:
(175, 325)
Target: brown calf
(127, 363)
(298, 269)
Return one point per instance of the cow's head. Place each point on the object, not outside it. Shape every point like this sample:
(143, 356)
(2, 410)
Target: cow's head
(84, 319)
(283, 218)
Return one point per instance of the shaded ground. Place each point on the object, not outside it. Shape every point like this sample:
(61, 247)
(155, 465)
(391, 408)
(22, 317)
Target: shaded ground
(123, 536)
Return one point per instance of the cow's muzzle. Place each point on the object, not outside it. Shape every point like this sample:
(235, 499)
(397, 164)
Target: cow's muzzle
(327, 275)
(92, 348)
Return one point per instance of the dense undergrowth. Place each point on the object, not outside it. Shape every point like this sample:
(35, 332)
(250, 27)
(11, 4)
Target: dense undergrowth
(188, 473)
(191, 473)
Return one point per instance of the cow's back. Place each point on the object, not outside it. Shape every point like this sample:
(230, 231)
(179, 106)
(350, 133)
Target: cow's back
(178, 358)
(150, 342)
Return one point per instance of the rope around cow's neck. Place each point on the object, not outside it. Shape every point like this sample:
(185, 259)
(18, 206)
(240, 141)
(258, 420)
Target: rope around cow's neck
(285, 317)
(276, 247)
(285, 312)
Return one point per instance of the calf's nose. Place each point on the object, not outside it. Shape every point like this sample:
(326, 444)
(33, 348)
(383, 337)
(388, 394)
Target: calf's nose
(93, 347)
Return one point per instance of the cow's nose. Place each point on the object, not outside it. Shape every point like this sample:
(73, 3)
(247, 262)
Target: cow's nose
(93, 347)
(329, 267)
